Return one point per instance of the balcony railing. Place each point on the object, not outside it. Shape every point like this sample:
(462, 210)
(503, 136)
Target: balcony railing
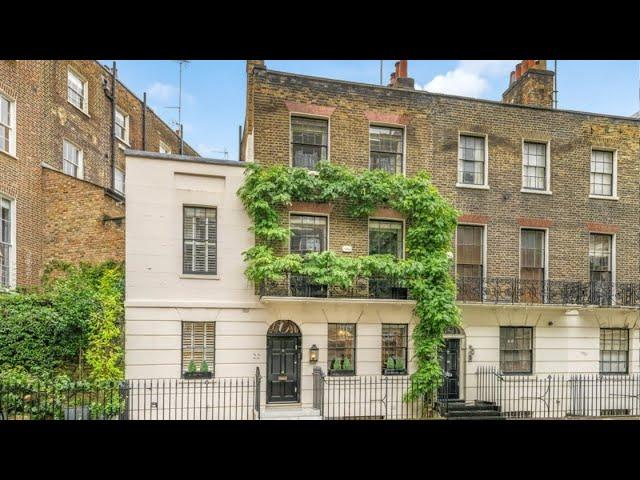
(547, 292)
(363, 288)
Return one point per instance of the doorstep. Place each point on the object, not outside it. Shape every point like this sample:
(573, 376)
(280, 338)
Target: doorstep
(289, 411)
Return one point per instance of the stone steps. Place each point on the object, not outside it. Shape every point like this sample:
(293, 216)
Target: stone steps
(295, 412)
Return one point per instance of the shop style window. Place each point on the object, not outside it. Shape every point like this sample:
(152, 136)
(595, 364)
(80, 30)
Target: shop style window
(198, 349)
(602, 173)
(71, 159)
(469, 262)
(77, 91)
(614, 350)
(122, 126)
(200, 228)
(7, 125)
(5, 242)
(394, 348)
(309, 141)
(532, 265)
(534, 170)
(308, 234)
(385, 149)
(341, 348)
(516, 349)
(471, 160)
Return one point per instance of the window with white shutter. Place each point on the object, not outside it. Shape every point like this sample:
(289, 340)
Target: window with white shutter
(198, 348)
(200, 230)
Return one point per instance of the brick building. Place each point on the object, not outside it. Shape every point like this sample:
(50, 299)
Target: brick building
(546, 254)
(61, 169)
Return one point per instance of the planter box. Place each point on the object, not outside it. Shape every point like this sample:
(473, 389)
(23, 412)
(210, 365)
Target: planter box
(197, 375)
(393, 371)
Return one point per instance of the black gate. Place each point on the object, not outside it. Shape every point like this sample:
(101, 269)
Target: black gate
(450, 363)
(283, 362)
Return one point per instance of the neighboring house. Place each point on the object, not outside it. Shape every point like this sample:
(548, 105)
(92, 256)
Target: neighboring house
(546, 254)
(61, 186)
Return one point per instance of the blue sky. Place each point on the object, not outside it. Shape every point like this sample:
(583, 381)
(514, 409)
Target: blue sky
(214, 90)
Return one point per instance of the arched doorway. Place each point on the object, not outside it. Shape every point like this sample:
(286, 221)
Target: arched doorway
(284, 342)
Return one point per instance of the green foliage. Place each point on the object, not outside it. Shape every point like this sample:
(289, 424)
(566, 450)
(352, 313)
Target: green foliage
(54, 329)
(391, 364)
(431, 222)
(192, 367)
(346, 364)
(399, 364)
(204, 367)
(337, 364)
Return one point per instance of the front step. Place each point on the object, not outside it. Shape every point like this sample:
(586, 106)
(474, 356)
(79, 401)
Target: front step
(290, 413)
(460, 410)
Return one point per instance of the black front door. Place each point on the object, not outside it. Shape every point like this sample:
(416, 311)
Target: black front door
(283, 367)
(450, 363)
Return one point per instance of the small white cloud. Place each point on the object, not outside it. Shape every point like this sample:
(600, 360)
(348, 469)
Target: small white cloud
(470, 78)
(458, 82)
(167, 93)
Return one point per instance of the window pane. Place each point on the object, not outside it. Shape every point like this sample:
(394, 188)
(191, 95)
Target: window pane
(532, 249)
(200, 242)
(341, 347)
(5, 242)
(614, 348)
(394, 348)
(471, 164)
(385, 237)
(198, 346)
(600, 252)
(309, 138)
(535, 162)
(469, 245)
(386, 146)
(601, 173)
(516, 349)
(308, 234)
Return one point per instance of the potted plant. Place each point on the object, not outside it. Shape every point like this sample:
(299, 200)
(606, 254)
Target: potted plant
(346, 365)
(193, 373)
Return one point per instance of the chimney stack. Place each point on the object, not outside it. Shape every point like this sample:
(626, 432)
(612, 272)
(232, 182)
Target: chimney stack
(530, 84)
(400, 78)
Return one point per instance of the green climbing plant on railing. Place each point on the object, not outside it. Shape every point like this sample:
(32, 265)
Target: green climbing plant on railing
(431, 221)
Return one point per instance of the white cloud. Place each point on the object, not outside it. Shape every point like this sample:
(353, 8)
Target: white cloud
(458, 82)
(470, 78)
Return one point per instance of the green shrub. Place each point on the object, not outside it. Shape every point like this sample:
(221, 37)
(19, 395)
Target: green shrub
(192, 368)
(391, 364)
(337, 364)
(204, 367)
(346, 364)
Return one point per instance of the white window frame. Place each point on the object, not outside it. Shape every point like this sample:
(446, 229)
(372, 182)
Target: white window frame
(404, 142)
(306, 115)
(547, 169)
(484, 247)
(115, 182)
(546, 254)
(11, 126)
(614, 176)
(85, 83)
(613, 261)
(12, 245)
(80, 166)
(485, 185)
(125, 140)
(163, 146)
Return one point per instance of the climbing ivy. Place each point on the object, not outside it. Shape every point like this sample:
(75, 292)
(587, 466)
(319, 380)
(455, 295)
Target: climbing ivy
(431, 222)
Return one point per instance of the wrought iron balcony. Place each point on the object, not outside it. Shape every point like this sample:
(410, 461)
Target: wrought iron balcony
(362, 288)
(547, 292)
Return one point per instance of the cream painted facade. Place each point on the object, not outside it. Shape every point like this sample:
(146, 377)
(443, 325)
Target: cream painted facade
(159, 297)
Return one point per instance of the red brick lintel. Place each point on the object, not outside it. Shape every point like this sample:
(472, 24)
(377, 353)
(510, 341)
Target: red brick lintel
(535, 222)
(470, 218)
(385, 212)
(309, 108)
(602, 228)
(381, 117)
(311, 207)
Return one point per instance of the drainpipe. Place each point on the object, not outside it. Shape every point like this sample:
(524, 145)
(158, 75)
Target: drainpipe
(144, 121)
(114, 76)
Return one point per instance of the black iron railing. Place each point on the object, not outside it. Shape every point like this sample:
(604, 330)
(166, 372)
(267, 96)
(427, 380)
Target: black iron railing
(551, 292)
(559, 396)
(369, 397)
(302, 286)
(139, 399)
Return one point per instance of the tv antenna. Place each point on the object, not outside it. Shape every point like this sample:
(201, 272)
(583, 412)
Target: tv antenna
(181, 63)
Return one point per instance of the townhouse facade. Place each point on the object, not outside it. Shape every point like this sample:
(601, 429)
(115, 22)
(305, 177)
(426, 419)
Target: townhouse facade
(546, 255)
(63, 132)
